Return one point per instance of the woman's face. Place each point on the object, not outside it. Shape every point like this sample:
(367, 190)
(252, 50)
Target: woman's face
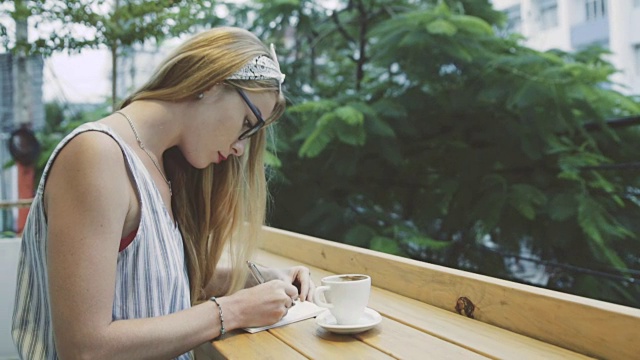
(219, 118)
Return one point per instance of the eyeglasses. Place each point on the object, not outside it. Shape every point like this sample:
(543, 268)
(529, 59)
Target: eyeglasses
(255, 128)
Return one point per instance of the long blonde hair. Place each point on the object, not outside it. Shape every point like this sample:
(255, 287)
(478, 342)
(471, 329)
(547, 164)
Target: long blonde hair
(222, 207)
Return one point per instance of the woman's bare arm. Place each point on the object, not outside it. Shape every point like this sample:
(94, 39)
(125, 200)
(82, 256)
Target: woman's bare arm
(88, 201)
(88, 198)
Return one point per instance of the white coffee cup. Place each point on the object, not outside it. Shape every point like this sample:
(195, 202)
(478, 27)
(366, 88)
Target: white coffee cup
(346, 296)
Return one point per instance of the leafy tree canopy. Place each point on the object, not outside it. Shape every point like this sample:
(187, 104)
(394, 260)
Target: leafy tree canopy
(416, 130)
(73, 25)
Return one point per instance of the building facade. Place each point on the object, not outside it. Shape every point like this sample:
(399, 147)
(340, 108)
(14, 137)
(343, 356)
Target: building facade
(571, 25)
(8, 109)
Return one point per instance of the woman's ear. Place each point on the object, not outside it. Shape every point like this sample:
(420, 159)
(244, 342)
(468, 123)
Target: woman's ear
(201, 95)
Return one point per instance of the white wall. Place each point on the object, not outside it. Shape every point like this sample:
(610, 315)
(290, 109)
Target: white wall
(577, 14)
(550, 39)
(624, 34)
(502, 4)
(620, 41)
(634, 26)
(634, 37)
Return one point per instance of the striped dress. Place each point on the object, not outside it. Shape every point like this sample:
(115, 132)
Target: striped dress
(151, 278)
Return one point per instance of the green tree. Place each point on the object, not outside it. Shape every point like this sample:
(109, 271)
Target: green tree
(416, 130)
(74, 25)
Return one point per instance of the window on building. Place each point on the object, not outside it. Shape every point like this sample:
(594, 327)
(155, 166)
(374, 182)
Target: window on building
(596, 9)
(548, 10)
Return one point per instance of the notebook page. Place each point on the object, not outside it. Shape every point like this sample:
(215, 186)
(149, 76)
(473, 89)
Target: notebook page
(301, 311)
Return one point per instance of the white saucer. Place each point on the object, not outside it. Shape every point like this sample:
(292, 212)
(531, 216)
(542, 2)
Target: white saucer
(369, 319)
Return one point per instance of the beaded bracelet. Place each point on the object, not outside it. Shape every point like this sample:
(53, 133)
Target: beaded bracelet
(222, 330)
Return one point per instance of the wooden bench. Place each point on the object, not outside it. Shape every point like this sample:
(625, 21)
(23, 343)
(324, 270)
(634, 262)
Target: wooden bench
(418, 304)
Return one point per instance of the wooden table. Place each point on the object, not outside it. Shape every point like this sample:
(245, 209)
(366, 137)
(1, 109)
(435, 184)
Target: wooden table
(417, 302)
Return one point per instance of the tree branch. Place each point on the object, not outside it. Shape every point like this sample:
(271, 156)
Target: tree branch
(364, 22)
(615, 123)
(341, 29)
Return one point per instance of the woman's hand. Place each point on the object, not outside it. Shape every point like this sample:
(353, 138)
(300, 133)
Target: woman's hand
(261, 305)
(298, 276)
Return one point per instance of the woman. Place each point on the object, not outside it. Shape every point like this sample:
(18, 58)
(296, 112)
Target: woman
(121, 252)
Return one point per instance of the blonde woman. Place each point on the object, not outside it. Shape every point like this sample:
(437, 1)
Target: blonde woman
(121, 251)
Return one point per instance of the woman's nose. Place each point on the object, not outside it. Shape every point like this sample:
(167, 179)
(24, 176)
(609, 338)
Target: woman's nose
(237, 148)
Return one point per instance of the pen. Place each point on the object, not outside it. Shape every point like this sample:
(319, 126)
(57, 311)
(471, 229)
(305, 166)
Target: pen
(258, 275)
(255, 272)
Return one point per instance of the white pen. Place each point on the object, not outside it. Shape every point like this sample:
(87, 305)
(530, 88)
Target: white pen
(255, 272)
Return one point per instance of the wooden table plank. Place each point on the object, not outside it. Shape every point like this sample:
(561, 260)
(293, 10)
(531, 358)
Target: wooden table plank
(476, 336)
(317, 343)
(587, 326)
(403, 342)
(262, 345)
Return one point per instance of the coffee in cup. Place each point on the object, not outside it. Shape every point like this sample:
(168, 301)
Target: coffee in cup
(346, 296)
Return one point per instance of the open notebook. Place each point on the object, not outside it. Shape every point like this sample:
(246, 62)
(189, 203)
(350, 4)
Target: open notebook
(301, 311)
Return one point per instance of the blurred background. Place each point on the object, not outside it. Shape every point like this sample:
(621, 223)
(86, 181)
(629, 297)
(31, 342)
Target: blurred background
(498, 137)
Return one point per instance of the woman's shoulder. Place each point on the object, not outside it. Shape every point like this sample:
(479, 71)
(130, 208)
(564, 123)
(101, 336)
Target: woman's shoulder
(88, 179)
(93, 141)
(90, 128)
(89, 158)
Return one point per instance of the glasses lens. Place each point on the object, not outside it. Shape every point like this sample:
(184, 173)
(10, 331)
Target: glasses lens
(249, 133)
(259, 124)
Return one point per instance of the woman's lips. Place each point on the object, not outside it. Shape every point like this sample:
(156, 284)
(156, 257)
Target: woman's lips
(221, 157)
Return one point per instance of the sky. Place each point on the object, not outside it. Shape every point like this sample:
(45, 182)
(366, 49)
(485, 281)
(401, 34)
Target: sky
(77, 78)
(82, 77)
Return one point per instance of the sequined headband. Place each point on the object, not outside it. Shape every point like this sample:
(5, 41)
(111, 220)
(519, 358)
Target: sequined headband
(261, 67)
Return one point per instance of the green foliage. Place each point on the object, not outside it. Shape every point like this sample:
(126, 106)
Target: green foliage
(415, 130)
(272, 160)
(4, 37)
(425, 243)
(343, 123)
(386, 245)
(526, 199)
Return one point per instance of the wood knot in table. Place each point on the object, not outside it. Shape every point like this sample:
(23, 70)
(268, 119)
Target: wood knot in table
(465, 307)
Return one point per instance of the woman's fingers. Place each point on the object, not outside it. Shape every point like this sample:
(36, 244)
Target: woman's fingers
(298, 276)
(310, 289)
(288, 293)
(291, 291)
(301, 277)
